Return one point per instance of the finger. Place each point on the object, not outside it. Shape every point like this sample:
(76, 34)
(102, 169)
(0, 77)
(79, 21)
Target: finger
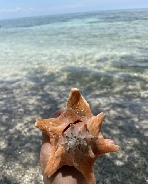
(45, 138)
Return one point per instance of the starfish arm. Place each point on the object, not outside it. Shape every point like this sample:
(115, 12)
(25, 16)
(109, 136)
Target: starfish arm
(94, 125)
(56, 126)
(112, 147)
(86, 168)
(44, 125)
(104, 146)
(53, 164)
(78, 103)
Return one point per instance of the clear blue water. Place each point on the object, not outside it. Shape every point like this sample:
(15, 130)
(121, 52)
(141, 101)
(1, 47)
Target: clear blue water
(106, 47)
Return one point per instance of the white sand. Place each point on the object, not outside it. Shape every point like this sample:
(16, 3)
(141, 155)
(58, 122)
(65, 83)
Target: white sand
(22, 102)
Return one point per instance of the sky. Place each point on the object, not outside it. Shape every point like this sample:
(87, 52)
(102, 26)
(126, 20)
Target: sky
(28, 8)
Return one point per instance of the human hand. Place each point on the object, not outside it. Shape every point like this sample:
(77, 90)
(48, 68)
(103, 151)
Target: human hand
(66, 174)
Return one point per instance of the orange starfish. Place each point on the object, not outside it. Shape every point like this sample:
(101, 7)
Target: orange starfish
(75, 138)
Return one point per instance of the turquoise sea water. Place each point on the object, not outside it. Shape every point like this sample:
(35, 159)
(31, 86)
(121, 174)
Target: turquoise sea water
(109, 44)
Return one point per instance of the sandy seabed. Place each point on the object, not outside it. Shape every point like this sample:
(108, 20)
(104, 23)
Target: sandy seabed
(40, 95)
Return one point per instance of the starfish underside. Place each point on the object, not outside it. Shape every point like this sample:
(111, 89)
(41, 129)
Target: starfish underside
(75, 137)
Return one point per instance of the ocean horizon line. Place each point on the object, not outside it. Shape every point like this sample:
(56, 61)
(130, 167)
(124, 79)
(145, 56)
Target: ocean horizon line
(72, 13)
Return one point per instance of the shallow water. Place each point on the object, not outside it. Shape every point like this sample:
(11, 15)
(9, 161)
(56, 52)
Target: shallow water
(105, 55)
(107, 43)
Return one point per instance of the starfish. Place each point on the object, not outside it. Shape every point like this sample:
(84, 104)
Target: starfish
(75, 137)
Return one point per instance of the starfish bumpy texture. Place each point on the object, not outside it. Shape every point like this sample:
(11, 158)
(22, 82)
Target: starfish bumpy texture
(75, 137)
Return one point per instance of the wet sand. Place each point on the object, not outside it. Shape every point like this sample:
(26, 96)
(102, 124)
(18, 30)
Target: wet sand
(41, 94)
